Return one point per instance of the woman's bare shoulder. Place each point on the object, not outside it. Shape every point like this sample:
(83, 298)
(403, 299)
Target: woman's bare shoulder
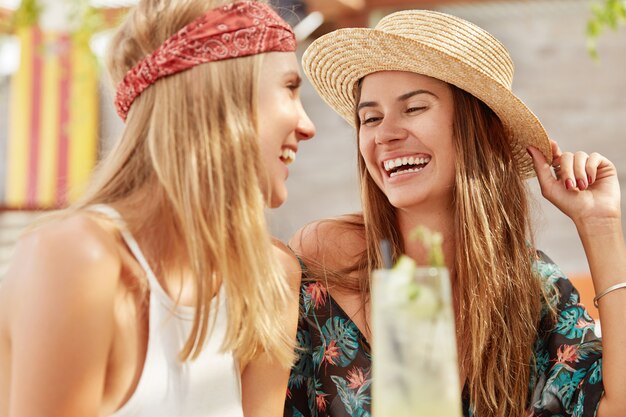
(335, 242)
(61, 288)
(74, 251)
(289, 262)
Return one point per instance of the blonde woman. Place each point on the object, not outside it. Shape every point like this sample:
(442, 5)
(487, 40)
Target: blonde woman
(160, 293)
(443, 142)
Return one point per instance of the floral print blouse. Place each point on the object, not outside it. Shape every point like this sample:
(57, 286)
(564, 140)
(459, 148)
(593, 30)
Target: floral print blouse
(332, 375)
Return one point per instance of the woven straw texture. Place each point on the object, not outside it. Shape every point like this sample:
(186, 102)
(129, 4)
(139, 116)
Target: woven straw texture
(433, 44)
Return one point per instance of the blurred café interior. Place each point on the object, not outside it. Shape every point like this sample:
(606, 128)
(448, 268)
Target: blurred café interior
(57, 118)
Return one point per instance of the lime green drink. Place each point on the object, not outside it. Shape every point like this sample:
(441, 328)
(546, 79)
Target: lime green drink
(414, 357)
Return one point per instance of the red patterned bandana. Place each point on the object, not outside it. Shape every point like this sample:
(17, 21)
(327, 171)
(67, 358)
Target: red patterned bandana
(232, 31)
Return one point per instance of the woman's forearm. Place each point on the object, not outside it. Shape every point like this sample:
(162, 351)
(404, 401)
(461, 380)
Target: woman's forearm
(604, 246)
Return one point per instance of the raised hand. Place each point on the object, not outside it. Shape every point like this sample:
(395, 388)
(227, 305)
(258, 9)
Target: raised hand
(583, 186)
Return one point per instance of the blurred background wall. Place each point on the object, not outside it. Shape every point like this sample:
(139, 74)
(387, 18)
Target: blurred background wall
(581, 102)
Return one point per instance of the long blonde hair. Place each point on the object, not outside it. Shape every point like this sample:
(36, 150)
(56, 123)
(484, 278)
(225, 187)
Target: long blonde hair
(499, 296)
(191, 139)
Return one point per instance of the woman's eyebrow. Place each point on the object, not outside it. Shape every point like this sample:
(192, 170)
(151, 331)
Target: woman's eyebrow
(410, 94)
(403, 97)
(293, 74)
(366, 104)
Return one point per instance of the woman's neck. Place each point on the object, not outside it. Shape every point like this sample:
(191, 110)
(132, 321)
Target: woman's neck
(441, 221)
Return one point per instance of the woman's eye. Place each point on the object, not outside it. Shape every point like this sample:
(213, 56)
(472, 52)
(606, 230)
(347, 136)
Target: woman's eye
(370, 120)
(414, 109)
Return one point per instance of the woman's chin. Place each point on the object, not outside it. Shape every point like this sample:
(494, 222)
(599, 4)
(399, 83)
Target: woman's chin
(277, 199)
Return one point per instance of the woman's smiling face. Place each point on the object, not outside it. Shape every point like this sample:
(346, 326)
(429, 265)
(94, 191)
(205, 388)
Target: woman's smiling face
(406, 137)
(282, 122)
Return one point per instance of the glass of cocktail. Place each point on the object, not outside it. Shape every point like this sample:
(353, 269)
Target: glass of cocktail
(414, 356)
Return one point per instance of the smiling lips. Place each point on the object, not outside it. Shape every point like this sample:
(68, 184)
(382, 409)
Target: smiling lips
(405, 165)
(288, 156)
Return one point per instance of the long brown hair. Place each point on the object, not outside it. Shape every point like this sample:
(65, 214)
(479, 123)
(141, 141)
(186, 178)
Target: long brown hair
(499, 297)
(190, 139)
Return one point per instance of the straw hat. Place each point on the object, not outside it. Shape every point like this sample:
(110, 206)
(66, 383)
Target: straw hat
(430, 43)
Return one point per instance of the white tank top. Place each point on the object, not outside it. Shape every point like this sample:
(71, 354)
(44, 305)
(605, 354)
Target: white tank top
(208, 386)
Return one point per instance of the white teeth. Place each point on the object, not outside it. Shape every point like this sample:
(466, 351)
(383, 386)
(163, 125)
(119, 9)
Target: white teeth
(406, 171)
(394, 163)
(288, 156)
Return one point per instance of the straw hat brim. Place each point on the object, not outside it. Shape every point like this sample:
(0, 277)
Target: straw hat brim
(335, 62)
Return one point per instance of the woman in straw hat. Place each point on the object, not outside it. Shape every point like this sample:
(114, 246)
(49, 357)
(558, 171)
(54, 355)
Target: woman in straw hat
(160, 293)
(445, 143)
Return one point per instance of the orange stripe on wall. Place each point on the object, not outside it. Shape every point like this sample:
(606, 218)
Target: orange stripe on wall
(63, 131)
(35, 120)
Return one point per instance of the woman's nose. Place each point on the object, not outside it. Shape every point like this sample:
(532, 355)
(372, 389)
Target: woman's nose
(390, 130)
(305, 129)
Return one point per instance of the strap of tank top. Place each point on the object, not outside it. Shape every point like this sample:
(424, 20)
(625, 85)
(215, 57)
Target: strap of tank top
(132, 244)
(300, 261)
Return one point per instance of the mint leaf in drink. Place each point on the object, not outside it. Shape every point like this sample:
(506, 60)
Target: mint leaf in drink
(423, 301)
(432, 242)
(405, 292)
(405, 264)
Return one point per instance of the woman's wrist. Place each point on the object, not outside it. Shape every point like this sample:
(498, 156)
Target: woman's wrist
(600, 228)
(605, 248)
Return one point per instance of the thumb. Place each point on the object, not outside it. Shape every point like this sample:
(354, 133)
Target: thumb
(541, 165)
